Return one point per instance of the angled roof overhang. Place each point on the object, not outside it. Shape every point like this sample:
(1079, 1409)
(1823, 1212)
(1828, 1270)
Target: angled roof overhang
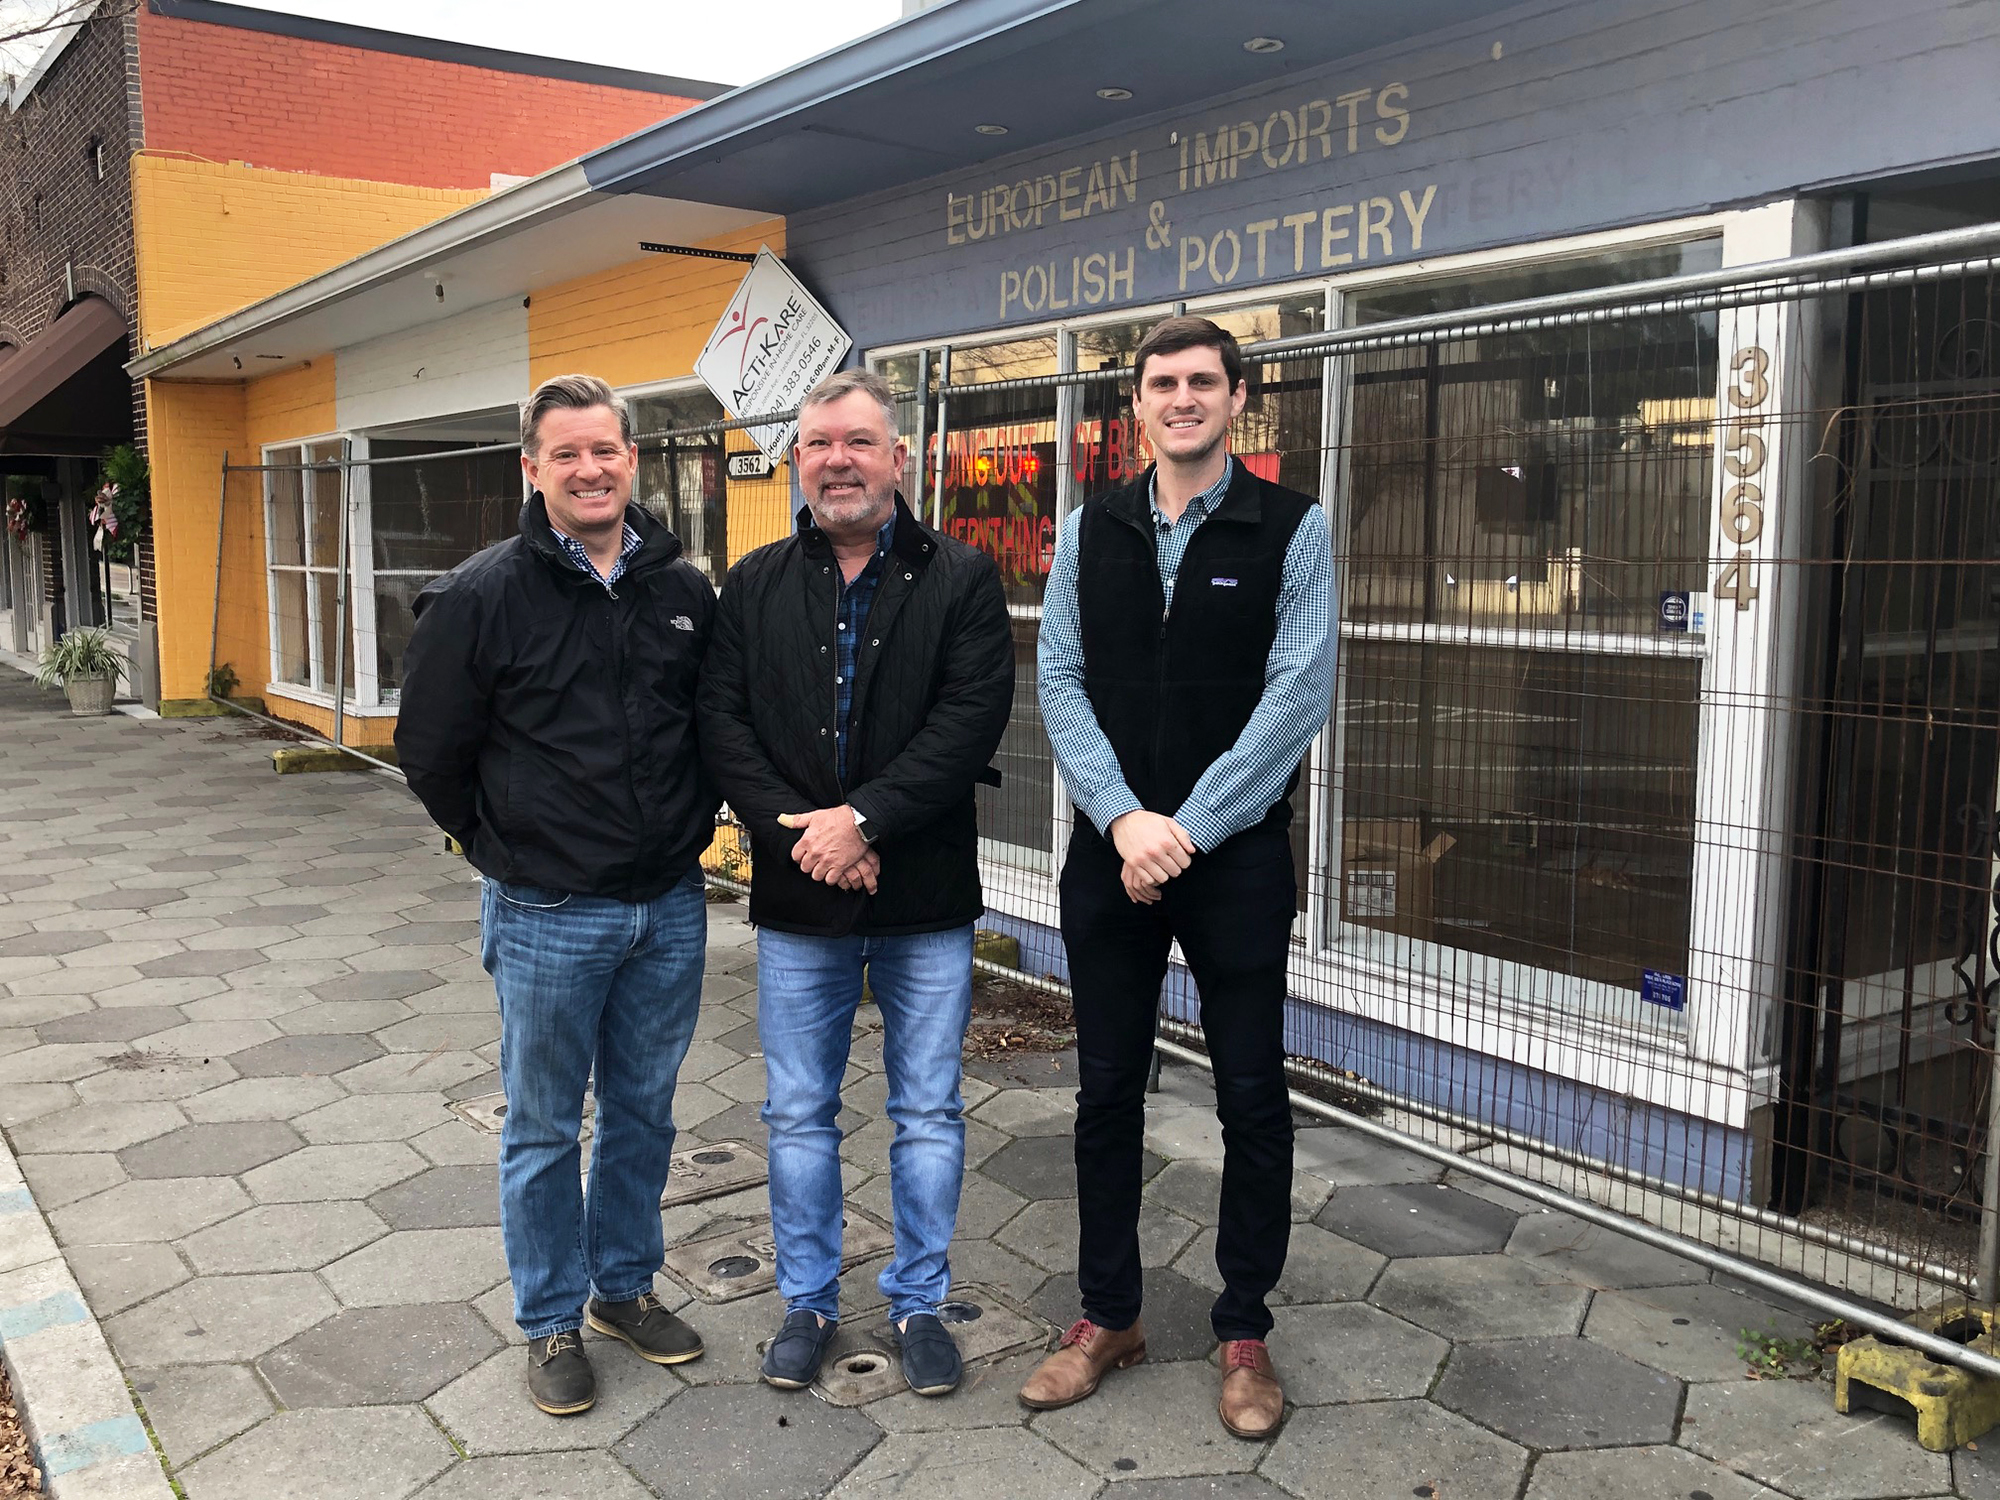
(65, 392)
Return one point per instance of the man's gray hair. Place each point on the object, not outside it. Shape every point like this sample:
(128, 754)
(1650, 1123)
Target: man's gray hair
(570, 393)
(846, 383)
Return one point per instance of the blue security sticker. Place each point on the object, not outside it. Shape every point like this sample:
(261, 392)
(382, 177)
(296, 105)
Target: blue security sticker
(1674, 609)
(1657, 988)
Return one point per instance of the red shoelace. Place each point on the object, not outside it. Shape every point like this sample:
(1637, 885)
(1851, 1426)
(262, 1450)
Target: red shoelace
(1079, 1333)
(1243, 1353)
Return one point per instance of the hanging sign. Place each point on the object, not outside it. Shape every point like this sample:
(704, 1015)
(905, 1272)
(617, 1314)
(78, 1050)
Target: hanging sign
(772, 345)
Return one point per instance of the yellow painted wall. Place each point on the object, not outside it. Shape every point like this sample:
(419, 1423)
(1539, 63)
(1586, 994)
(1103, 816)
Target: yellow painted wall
(645, 320)
(189, 427)
(214, 237)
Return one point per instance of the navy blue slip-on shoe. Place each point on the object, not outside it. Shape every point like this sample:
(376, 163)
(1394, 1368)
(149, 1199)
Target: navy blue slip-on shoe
(930, 1356)
(792, 1361)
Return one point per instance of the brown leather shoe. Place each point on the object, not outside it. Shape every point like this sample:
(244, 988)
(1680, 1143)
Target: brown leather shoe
(1253, 1403)
(1085, 1356)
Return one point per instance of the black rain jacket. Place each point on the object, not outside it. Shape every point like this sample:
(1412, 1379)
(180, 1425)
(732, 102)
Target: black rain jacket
(547, 719)
(933, 684)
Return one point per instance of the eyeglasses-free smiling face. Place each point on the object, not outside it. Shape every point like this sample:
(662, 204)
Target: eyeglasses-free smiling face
(849, 462)
(584, 469)
(1185, 405)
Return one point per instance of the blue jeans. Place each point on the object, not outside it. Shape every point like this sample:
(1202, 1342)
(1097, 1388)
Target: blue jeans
(588, 984)
(807, 991)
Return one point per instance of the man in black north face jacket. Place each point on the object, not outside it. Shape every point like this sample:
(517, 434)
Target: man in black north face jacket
(548, 725)
(856, 687)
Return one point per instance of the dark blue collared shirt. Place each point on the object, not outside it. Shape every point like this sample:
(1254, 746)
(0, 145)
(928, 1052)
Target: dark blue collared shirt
(851, 618)
(629, 543)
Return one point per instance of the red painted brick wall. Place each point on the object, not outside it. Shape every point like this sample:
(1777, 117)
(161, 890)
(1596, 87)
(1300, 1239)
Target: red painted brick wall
(308, 106)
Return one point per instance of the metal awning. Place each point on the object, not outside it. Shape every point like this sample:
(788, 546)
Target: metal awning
(66, 391)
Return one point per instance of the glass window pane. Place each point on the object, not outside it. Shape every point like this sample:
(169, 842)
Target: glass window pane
(288, 627)
(284, 490)
(393, 624)
(432, 516)
(1016, 818)
(323, 489)
(1018, 359)
(1556, 478)
(1534, 806)
(325, 597)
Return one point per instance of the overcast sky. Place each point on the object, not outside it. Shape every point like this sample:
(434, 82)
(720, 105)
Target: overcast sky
(724, 41)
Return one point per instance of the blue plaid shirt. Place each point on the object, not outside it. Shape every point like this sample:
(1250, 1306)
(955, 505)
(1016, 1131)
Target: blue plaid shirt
(851, 616)
(1243, 783)
(574, 549)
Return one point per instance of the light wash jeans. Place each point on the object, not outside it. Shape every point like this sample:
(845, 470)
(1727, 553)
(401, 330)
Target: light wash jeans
(807, 991)
(588, 985)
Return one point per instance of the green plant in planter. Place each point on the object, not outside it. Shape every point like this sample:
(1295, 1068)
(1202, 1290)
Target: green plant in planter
(85, 653)
(222, 681)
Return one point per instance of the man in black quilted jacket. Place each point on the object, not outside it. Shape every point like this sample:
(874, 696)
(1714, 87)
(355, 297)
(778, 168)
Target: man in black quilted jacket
(548, 725)
(856, 685)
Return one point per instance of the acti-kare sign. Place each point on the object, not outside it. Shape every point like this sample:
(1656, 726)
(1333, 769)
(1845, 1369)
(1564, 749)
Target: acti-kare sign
(772, 345)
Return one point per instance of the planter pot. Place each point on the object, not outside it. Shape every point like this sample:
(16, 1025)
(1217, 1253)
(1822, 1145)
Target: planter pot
(90, 695)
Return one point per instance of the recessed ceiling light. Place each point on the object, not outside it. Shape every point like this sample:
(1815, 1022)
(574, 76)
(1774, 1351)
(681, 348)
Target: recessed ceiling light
(991, 129)
(1263, 44)
(1114, 93)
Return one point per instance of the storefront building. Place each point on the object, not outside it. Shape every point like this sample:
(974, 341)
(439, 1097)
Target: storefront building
(1584, 853)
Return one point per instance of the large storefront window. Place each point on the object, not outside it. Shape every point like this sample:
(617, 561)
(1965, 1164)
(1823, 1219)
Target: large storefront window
(1522, 511)
(1000, 496)
(425, 518)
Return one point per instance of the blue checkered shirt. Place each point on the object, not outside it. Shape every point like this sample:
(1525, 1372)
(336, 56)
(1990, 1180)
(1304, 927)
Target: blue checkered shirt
(1243, 783)
(574, 549)
(851, 616)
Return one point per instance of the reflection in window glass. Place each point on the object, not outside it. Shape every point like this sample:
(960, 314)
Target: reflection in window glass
(1534, 806)
(1556, 478)
(681, 477)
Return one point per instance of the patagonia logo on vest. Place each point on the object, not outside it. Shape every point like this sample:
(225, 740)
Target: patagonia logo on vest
(1222, 583)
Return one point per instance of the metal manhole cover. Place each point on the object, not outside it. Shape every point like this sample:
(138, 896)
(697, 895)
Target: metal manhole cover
(710, 1268)
(732, 1266)
(709, 1171)
(864, 1361)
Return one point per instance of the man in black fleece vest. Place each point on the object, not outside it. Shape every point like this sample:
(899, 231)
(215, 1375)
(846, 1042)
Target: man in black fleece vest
(1185, 666)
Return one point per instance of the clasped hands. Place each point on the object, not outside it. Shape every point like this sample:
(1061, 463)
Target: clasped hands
(831, 848)
(1155, 849)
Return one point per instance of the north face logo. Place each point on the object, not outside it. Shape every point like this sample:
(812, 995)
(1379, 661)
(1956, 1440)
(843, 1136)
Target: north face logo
(682, 622)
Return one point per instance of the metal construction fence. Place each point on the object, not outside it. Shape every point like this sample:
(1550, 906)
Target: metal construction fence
(1650, 855)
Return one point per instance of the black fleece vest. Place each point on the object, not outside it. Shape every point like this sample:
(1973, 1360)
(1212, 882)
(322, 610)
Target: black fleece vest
(1173, 690)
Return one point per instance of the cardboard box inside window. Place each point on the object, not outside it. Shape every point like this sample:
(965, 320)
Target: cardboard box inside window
(1387, 867)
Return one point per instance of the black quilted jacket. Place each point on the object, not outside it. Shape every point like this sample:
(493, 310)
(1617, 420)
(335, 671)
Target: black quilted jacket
(932, 690)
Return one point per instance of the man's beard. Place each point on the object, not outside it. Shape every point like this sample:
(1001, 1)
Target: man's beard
(846, 512)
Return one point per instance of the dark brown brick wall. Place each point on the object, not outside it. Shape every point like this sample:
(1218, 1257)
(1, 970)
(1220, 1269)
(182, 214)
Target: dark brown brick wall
(66, 232)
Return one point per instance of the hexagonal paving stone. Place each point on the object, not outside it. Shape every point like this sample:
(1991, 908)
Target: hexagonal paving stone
(1637, 1474)
(1319, 1267)
(420, 1265)
(414, 933)
(268, 916)
(1598, 1257)
(320, 1173)
(1560, 1393)
(191, 1408)
(999, 1461)
(375, 1356)
(1045, 1166)
(221, 1150)
(1689, 1331)
(115, 1277)
(442, 1198)
(482, 1409)
(207, 962)
(100, 1127)
(1392, 1448)
(724, 1443)
(305, 1056)
(374, 1117)
(144, 1212)
(399, 1073)
(381, 984)
(262, 1099)
(315, 1453)
(283, 1237)
(540, 1476)
(353, 1016)
(122, 1024)
(1787, 1434)
(140, 1075)
(1417, 1219)
(1480, 1297)
(62, 1062)
(1351, 1352)
(53, 944)
(1125, 1433)
(219, 1319)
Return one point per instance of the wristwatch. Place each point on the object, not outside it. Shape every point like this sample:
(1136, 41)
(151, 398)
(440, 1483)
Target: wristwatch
(862, 826)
